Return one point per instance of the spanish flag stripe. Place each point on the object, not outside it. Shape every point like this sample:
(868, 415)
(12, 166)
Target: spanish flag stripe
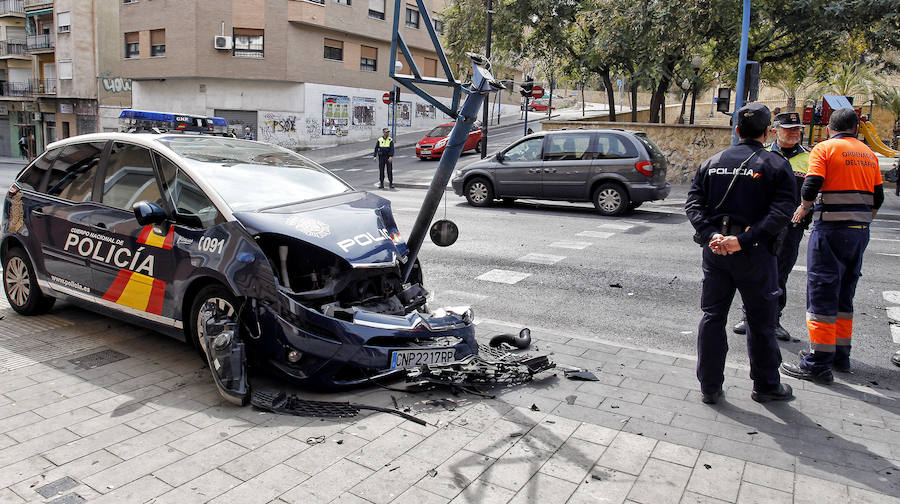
(170, 238)
(137, 293)
(157, 293)
(144, 234)
(118, 285)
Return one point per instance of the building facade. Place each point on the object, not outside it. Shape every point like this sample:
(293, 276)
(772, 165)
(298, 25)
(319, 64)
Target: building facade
(298, 73)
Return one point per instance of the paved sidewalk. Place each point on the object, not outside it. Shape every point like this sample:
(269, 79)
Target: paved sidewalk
(151, 427)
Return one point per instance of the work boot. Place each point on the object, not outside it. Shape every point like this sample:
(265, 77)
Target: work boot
(896, 358)
(712, 398)
(381, 185)
(782, 393)
(794, 370)
(392, 185)
(840, 367)
(740, 327)
(781, 333)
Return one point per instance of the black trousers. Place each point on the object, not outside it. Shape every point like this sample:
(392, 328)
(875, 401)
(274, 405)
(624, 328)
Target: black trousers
(787, 257)
(382, 164)
(753, 273)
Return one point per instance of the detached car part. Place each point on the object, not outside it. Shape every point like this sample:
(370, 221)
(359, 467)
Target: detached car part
(279, 401)
(477, 371)
(522, 341)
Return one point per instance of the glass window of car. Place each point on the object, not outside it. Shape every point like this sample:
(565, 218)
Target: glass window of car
(72, 176)
(568, 147)
(33, 176)
(129, 177)
(656, 154)
(612, 146)
(528, 150)
(252, 175)
(192, 207)
(440, 131)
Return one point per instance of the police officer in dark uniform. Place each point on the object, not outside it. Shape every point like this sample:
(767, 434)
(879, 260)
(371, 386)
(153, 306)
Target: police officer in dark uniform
(384, 153)
(740, 200)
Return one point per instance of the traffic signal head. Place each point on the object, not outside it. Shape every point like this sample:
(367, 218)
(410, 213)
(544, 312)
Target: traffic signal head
(527, 86)
(391, 96)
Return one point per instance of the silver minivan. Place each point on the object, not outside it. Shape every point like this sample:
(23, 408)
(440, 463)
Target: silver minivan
(615, 169)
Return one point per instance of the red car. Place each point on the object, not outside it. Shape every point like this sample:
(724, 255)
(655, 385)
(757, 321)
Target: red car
(539, 106)
(432, 146)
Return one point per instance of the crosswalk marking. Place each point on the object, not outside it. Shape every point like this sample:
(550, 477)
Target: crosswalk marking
(895, 333)
(888, 254)
(503, 276)
(353, 169)
(891, 296)
(595, 234)
(541, 258)
(573, 245)
(885, 239)
(799, 268)
(893, 313)
(614, 226)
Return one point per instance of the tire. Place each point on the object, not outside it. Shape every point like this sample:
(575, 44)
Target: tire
(226, 304)
(479, 192)
(478, 147)
(21, 287)
(610, 199)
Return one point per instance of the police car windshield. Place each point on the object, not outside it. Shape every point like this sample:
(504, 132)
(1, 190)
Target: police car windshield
(251, 175)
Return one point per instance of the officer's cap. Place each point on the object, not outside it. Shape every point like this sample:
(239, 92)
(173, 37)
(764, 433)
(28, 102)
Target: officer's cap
(385, 130)
(788, 120)
(754, 117)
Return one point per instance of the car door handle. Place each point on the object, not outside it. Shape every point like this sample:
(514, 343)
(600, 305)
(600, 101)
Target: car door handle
(549, 170)
(534, 170)
(38, 212)
(99, 225)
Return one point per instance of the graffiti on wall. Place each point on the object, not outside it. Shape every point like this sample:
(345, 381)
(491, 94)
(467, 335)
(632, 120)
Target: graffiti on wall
(335, 115)
(363, 111)
(425, 110)
(279, 129)
(116, 84)
(404, 114)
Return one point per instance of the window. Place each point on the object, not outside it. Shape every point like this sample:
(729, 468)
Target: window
(342, 2)
(248, 43)
(64, 68)
(412, 17)
(529, 150)
(157, 43)
(63, 22)
(129, 177)
(33, 177)
(192, 207)
(430, 67)
(368, 60)
(129, 1)
(611, 146)
(334, 50)
(73, 172)
(568, 147)
(376, 9)
(132, 46)
(438, 26)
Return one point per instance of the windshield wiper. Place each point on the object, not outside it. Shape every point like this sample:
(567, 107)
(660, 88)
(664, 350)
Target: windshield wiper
(281, 205)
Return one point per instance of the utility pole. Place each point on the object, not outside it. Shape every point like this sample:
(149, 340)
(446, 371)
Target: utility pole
(742, 69)
(394, 112)
(487, 104)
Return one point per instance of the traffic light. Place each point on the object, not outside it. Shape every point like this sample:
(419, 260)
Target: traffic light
(723, 100)
(394, 96)
(526, 86)
(751, 81)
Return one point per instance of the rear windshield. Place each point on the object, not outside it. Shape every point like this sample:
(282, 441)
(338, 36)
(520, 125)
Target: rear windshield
(653, 150)
(254, 176)
(440, 131)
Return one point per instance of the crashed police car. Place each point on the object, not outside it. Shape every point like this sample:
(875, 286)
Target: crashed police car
(260, 257)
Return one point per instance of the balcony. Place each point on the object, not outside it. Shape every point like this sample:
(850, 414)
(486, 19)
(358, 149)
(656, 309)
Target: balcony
(43, 86)
(12, 48)
(18, 89)
(12, 8)
(34, 4)
(42, 42)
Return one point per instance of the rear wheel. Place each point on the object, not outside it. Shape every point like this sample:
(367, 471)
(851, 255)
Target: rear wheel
(222, 305)
(20, 285)
(479, 192)
(610, 199)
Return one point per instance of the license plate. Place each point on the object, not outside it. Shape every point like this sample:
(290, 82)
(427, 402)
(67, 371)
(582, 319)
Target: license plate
(411, 358)
(426, 152)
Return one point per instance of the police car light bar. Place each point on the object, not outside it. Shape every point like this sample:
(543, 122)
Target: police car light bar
(135, 121)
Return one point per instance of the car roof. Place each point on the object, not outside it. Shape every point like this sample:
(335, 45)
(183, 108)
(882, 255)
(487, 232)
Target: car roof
(594, 130)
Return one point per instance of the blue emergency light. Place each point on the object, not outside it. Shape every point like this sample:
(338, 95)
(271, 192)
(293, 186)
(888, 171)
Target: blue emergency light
(148, 121)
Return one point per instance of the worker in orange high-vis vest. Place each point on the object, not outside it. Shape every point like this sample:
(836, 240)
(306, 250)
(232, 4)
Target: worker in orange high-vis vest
(844, 188)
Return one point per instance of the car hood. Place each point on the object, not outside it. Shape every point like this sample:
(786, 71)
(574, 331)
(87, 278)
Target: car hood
(358, 227)
(431, 139)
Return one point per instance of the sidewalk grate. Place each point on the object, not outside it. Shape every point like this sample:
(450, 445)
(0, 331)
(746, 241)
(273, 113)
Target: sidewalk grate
(57, 487)
(98, 359)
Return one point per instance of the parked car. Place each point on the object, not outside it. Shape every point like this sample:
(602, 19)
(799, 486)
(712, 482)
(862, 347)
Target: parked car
(435, 141)
(249, 251)
(615, 169)
(538, 105)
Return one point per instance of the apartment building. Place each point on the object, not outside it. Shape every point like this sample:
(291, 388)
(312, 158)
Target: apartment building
(56, 57)
(299, 73)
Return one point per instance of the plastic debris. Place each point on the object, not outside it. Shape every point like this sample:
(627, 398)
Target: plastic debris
(522, 341)
(581, 374)
(534, 407)
(571, 399)
(432, 472)
(280, 402)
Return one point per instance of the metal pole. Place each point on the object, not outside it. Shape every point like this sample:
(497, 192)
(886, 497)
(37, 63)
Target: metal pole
(693, 101)
(742, 68)
(487, 103)
(445, 169)
(394, 105)
(526, 116)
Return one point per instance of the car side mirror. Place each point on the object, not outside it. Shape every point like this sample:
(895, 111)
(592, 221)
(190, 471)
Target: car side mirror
(500, 157)
(147, 213)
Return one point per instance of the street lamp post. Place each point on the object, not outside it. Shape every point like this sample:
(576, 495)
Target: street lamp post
(398, 66)
(487, 104)
(742, 67)
(696, 63)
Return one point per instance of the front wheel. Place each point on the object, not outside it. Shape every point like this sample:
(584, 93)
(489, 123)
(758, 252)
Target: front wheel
(610, 199)
(479, 192)
(21, 287)
(219, 304)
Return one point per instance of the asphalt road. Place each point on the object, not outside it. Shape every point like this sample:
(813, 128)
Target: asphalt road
(632, 280)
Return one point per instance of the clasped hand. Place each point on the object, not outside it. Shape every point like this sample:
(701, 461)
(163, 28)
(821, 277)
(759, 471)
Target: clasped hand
(724, 245)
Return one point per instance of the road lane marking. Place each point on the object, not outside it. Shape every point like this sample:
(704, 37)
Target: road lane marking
(893, 313)
(885, 239)
(888, 254)
(541, 258)
(595, 234)
(892, 296)
(573, 245)
(616, 227)
(353, 169)
(799, 268)
(895, 333)
(503, 276)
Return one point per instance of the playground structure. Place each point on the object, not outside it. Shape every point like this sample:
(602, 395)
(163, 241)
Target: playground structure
(868, 131)
(817, 118)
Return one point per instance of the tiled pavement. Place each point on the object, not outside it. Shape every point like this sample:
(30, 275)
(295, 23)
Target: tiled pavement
(151, 428)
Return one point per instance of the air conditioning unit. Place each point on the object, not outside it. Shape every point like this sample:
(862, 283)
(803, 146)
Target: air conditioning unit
(223, 43)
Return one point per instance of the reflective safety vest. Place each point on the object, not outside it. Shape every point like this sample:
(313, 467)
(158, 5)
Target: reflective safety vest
(385, 143)
(850, 172)
(799, 163)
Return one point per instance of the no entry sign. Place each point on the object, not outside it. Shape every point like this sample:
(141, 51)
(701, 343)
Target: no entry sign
(537, 92)
(386, 98)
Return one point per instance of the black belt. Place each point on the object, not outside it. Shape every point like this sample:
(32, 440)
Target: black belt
(732, 230)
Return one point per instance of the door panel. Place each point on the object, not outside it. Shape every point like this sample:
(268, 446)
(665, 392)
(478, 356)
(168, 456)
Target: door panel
(615, 154)
(567, 164)
(519, 174)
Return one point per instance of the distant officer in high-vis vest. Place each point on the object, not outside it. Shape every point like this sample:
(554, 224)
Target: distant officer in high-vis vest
(788, 133)
(384, 153)
(845, 183)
